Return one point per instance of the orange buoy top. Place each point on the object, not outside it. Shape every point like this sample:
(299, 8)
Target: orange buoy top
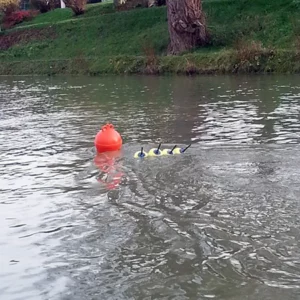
(108, 139)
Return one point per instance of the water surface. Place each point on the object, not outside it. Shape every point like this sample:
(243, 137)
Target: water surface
(219, 222)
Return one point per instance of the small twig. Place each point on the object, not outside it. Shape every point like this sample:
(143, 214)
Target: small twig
(171, 152)
(186, 148)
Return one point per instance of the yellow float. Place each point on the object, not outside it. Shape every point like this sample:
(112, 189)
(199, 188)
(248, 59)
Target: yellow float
(181, 150)
(155, 151)
(140, 154)
(168, 151)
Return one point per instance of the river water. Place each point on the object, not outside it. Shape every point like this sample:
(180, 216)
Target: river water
(221, 221)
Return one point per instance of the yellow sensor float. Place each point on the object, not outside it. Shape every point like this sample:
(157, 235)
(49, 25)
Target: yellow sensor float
(155, 151)
(168, 151)
(140, 154)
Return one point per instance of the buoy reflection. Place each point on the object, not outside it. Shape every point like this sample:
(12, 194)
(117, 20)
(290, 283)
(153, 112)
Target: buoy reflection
(111, 169)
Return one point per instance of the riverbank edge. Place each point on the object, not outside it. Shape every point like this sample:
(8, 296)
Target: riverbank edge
(223, 62)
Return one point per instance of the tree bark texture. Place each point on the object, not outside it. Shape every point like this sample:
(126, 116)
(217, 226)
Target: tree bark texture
(187, 25)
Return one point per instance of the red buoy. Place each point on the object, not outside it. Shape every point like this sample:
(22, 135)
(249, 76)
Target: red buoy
(108, 139)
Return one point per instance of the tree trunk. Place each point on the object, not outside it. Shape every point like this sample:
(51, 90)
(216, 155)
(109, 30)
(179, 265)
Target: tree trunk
(187, 25)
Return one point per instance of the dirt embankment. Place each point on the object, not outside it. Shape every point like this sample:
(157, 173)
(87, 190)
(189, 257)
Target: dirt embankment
(14, 38)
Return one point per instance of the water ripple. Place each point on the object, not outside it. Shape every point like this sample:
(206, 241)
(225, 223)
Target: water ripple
(220, 222)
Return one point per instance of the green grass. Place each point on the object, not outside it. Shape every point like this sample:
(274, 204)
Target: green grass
(102, 35)
(51, 17)
(273, 23)
(65, 15)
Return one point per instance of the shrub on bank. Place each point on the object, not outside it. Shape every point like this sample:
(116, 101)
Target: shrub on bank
(9, 6)
(78, 6)
(44, 6)
(18, 17)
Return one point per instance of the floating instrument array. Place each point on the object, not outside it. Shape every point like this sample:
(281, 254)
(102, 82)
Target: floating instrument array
(109, 140)
(158, 152)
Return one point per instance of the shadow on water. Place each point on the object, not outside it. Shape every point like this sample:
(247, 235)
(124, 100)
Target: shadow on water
(219, 222)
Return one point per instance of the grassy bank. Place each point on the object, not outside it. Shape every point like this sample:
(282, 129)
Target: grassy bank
(247, 36)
